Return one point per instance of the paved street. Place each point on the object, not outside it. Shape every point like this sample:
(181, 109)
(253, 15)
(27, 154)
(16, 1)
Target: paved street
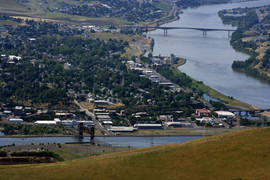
(98, 125)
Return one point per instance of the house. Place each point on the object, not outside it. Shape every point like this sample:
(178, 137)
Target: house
(99, 110)
(107, 123)
(141, 114)
(18, 110)
(7, 112)
(203, 113)
(68, 66)
(12, 57)
(101, 102)
(165, 117)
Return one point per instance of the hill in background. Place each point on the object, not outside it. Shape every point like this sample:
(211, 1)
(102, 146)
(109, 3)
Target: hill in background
(238, 155)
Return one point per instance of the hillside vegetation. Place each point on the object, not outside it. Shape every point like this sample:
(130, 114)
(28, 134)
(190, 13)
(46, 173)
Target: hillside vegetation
(101, 12)
(239, 155)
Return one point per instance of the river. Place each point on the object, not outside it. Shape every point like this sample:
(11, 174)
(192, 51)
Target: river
(209, 59)
(132, 141)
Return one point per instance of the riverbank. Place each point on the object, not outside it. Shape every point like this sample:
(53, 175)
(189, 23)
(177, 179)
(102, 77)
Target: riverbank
(172, 16)
(145, 133)
(229, 101)
(209, 59)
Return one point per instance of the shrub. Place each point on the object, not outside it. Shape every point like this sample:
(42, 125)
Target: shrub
(40, 154)
(3, 154)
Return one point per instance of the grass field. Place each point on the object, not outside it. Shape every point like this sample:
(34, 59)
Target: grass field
(240, 155)
(182, 132)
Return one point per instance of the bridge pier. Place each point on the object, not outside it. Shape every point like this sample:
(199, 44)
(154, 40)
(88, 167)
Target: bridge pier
(204, 33)
(229, 34)
(90, 130)
(165, 32)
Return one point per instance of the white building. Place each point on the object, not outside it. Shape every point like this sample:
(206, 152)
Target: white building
(56, 121)
(121, 129)
(148, 126)
(12, 57)
(205, 119)
(225, 114)
(177, 124)
(15, 120)
(45, 122)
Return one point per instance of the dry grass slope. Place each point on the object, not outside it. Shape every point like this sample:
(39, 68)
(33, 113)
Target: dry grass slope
(244, 154)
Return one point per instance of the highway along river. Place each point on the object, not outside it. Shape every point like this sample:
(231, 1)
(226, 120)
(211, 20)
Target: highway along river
(209, 59)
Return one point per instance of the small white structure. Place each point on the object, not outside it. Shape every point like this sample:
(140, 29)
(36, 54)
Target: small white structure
(206, 119)
(99, 110)
(45, 122)
(103, 117)
(12, 57)
(121, 129)
(177, 124)
(87, 123)
(69, 123)
(131, 63)
(68, 66)
(102, 113)
(225, 114)
(165, 117)
(107, 122)
(56, 121)
(148, 126)
(15, 120)
(101, 102)
(7, 112)
(32, 39)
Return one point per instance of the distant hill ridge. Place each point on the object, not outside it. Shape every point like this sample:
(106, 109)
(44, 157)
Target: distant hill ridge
(239, 155)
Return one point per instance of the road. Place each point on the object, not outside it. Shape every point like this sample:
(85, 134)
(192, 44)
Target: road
(98, 125)
(259, 15)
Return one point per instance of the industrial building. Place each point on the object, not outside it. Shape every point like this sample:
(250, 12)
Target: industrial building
(177, 125)
(148, 126)
(121, 129)
(13, 120)
(225, 114)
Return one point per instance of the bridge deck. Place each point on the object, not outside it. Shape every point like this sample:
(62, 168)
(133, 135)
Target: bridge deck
(192, 28)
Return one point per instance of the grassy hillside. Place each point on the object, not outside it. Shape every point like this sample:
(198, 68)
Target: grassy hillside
(239, 155)
(36, 10)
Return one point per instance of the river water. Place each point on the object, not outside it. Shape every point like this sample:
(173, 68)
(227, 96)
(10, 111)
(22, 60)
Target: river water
(209, 59)
(132, 141)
